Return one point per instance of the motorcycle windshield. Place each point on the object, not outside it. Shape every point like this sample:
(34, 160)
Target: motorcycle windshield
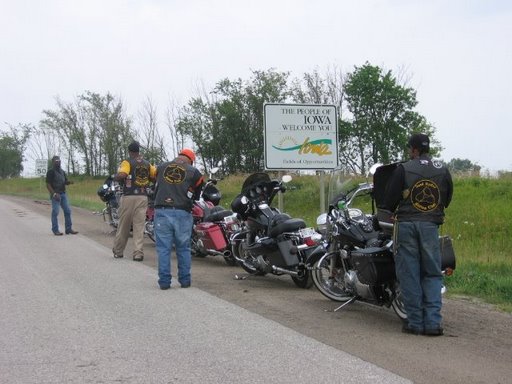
(254, 179)
(340, 183)
(380, 181)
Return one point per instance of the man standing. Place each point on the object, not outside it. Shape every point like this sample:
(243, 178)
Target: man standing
(178, 185)
(135, 173)
(56, 181)
(418, 192)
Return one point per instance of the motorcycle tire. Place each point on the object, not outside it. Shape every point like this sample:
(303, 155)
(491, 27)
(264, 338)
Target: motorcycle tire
(304, 280)
(149, 230)
(330, 284)
(230, 260)
(112, 215)
(398, 305)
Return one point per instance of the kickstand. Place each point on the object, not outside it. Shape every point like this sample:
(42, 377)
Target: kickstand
(352, 299)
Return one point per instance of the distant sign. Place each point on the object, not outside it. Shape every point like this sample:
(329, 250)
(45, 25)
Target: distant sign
(301, 136)
(41, 167)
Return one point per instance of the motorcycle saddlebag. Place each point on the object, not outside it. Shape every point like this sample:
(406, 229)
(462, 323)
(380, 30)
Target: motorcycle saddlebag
(373, 265)
(447, 252)
(286, 249)
(211, 236)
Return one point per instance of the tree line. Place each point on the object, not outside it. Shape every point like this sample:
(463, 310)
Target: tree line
(224, 125)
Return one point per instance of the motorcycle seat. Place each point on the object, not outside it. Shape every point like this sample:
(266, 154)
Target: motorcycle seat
(217, 215)
(290, 225)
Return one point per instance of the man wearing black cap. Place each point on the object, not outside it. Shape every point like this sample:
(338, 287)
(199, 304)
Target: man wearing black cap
(418, 192)
(135, 173)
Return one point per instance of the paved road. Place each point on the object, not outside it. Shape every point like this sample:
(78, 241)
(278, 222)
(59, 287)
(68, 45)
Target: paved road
(70, 313)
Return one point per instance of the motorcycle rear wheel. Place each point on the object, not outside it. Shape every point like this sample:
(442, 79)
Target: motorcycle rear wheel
(230, 260)
(329, 280)
(303, 280)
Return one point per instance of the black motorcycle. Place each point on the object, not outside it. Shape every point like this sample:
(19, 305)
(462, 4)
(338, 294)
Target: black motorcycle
(358, 264)
(110, 193)
(271, 241)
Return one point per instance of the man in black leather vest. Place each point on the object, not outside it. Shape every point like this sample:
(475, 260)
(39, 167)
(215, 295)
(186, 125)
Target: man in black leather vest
(136, 174)
(178, 185)
(418, 192)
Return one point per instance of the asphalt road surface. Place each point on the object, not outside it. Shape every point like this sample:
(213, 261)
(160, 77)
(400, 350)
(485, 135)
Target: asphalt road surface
(70, 313)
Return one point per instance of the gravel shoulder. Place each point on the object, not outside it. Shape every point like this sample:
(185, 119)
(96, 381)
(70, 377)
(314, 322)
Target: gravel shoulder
(476, 348)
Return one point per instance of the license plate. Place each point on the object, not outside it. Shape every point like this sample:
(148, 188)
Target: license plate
(229, 219)
(307, 232)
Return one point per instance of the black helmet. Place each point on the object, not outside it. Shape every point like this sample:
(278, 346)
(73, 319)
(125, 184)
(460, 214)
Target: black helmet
(212, 193)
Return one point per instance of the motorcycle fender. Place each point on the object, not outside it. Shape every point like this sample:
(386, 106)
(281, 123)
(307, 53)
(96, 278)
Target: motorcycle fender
(314, 256)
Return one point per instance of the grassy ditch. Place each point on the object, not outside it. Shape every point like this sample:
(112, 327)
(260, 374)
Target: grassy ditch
(478, 220)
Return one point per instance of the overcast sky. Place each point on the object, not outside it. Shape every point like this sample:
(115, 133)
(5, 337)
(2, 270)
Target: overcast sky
(457, 54)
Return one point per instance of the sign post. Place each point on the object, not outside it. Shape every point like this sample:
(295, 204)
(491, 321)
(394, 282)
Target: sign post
(41, 169)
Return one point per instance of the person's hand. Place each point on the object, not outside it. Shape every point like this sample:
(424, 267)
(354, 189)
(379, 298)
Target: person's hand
(56, 196)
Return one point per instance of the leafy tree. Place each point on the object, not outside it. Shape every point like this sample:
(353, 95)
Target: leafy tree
(463, 166)
(93, 131)
(382, 118)
(12, 147)
(226, 124)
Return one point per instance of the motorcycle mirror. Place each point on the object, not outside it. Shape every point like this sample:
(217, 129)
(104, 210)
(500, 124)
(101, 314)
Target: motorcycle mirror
(286, 178)
(244, 200)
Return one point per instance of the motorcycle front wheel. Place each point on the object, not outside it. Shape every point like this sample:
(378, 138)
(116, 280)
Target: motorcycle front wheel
(328, 277)
(398, 304)
(112, 215)
(149, 229)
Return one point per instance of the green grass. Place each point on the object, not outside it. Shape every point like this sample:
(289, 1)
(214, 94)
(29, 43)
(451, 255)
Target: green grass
(478, 220)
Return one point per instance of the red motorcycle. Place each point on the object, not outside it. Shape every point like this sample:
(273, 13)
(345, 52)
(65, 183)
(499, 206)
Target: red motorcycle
(213, 225)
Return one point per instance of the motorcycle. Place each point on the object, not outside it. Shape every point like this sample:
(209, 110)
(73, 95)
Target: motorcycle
(213, 225)
(110, 193)
(358, 264)
(271, 241)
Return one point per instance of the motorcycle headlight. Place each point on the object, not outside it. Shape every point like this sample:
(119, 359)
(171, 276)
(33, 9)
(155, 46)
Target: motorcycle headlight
(321, 224)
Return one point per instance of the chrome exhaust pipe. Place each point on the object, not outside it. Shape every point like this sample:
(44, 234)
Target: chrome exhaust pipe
(286, 271)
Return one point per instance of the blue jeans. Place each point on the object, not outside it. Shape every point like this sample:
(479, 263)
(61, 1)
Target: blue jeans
(173, 227)
(418, 268)
(55, 212)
